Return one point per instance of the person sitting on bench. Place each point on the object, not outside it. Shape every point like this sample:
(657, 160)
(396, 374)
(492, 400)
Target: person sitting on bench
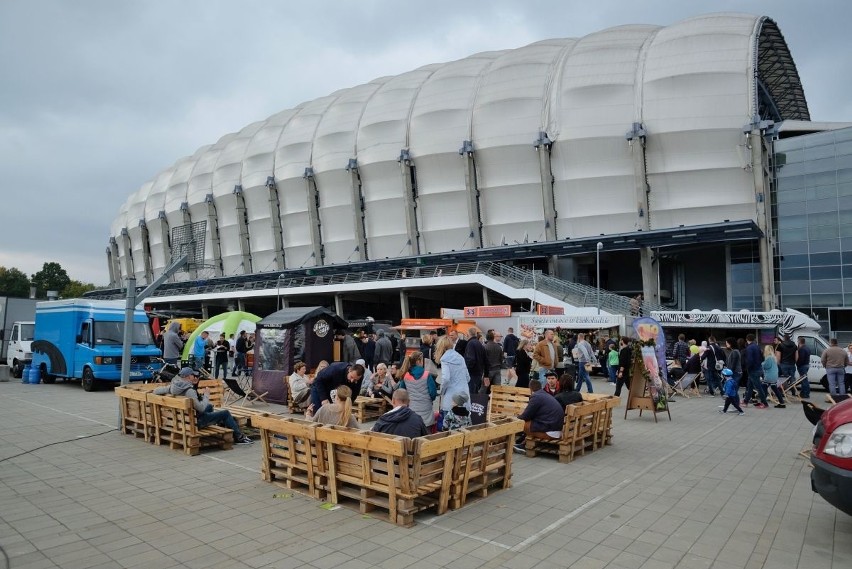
(567, 395)
(300, 384)
(185, 383)
(401, 420)
(543, 416)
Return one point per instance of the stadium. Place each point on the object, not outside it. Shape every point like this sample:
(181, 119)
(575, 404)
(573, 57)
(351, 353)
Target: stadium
(638, 159)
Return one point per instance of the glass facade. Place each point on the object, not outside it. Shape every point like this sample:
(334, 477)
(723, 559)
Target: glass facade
(812, 222)
(745, 277)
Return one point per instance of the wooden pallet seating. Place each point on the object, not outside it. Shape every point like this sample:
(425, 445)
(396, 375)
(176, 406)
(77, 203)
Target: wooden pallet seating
(242, 415)
(137, 417)
(507, 401)
(485, 459)
(587, 427)
(292, 456)
(175, 425)
(370, 408)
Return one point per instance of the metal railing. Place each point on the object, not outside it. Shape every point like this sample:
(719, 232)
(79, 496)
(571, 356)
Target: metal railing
(570, 292)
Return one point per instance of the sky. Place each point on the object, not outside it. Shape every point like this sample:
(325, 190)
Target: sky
(98, 96)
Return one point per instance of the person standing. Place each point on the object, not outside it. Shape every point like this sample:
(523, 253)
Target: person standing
(384, 349)
(172, 344)
(734, 361)
(523, 363)
(680, 351)
(625, 365)
(786, 354)
(199, 350)
(612, 363)
(494, 361)
(510, 346)
(545, 351)
(584, 350)
(834, 361)
(421, 387)
(240, 350)
(350, 348)
(731, 388)
(220, 357)
(754, 361)
(803, 365)
(712, 355)
(474, 357)
(771, 376)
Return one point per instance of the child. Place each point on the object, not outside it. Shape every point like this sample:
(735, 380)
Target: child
(612, 363)
(732, 392)
(458, 416)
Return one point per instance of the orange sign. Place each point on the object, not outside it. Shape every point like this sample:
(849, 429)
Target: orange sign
(545, 310)
(495, 311)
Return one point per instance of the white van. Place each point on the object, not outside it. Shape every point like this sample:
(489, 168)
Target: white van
(19, 351)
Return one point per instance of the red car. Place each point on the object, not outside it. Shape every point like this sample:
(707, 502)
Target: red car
(831, 477)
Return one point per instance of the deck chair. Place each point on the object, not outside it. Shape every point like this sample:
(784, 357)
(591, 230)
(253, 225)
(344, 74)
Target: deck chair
(791, 389)
(252, 397)
(686, 385)
(770, 393)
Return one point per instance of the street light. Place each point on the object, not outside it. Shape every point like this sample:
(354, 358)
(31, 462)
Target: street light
(598, 251)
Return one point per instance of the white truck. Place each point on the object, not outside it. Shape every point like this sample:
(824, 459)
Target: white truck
(19, 347)
(766, 326)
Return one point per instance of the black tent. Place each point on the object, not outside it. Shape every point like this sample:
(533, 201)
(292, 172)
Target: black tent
(286, 337)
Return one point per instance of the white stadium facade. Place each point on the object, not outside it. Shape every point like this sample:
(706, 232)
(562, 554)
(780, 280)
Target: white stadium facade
(655, 142)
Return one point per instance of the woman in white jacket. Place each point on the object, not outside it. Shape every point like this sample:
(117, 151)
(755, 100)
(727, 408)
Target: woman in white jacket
(454, 375)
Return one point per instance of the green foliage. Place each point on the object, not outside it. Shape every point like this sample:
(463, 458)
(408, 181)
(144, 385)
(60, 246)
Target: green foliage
(76, 289)
(51, 277)
(14, 282)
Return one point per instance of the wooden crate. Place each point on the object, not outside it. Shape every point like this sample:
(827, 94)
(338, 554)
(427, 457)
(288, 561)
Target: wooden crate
(485, 459)
(507, 401)
(292, 456)
(369, 408)
(581, 431)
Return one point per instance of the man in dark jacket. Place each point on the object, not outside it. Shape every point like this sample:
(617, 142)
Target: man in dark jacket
(401, 420)
(172, 344)
(384, 349)
(543, 413)
(494, 361)
(711, 355)
(474, 357)
(332, 377)
(510, 346)
(625, 365)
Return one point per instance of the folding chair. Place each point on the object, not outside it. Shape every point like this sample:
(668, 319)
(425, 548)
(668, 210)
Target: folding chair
(770, 393)
(252, 396)
(791, 390)
(687, 383)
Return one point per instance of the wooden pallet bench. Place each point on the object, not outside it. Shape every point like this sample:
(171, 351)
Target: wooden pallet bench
(175, 425)
(242, 415)
(485, 459)
(137, 417)
(587, 427)
(507, 401)
(292, 456)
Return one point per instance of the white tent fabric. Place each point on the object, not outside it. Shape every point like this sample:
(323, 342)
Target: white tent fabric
(692, 86)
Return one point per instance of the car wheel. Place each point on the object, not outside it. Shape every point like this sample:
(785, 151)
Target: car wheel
(89, 383)
(17, 369)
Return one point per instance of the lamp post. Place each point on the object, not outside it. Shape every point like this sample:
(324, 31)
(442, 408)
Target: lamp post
(598, 280)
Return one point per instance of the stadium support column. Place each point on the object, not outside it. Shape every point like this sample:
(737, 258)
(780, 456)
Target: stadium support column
(486, 301)
(403, 303)
(146, 251)
(543, 146)
(213, 226)
(473, 211)
(164, 236)
(338, 304)
(128, 255)
(110, 266)
(409, 180)
(187, 219)
(759, 167)
(313, 215)
(275, 216)
(242, 223)
(647, 261)
(115, 268)
(358, 208)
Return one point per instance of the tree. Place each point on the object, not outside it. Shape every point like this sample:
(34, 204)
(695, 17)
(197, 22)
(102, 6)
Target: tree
(75, 289)
(14, 282)
(51, 277)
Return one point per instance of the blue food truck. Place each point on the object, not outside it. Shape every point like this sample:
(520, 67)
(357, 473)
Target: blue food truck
(82, 339)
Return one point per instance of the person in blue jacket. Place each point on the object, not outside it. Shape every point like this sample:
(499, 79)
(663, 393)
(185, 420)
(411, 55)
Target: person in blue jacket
(732, 391)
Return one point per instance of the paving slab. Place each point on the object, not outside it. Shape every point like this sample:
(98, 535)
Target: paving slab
(704, 490)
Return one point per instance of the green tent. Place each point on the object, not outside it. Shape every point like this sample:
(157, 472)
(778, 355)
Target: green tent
(226, 323)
